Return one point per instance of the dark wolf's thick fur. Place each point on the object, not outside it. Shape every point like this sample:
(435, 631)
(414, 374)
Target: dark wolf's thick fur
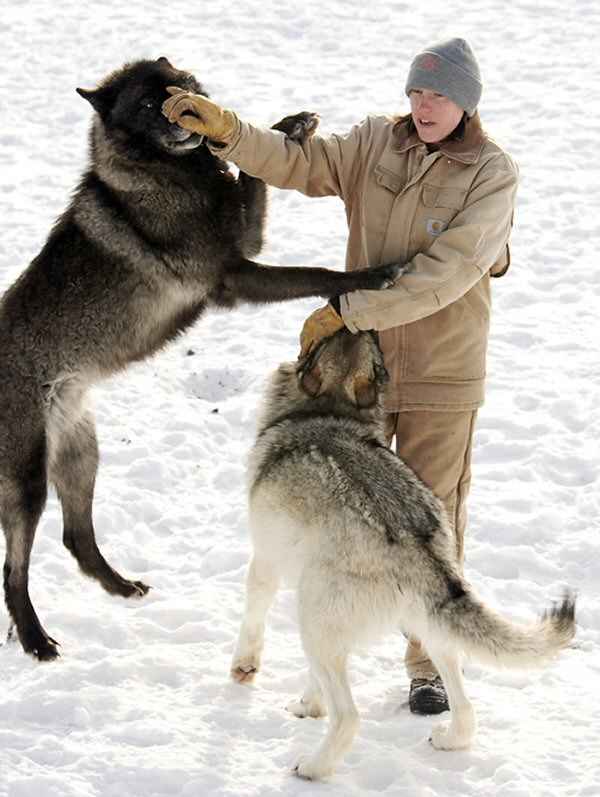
(157, 231)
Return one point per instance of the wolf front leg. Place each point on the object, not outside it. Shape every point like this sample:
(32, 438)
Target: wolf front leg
(254, 204)
(298, 127)
(311, 703)
(246, 281)
(261, 585)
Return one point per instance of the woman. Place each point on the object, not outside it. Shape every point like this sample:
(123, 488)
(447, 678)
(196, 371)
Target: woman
(429, 189)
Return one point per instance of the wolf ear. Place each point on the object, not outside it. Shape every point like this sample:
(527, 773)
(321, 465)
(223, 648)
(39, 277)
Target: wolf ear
(310, 380)
(365, 392)
(95, 97)
(381, 374)
(165, 61)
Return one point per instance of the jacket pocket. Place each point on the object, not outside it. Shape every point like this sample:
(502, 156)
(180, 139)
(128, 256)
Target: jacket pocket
(434, 196)
(388, 179)
(438, 207)
(450, 345)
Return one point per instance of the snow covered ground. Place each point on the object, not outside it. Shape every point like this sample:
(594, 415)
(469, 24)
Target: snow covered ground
(140, 702)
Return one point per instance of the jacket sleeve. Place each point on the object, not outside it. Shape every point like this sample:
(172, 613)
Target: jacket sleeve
(318, 167)
(457, 259)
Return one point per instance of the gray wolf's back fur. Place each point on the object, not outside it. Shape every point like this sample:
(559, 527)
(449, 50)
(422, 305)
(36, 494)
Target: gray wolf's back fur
(333, 464)
(367, 544)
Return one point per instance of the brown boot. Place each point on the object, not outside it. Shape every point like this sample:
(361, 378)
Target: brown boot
(428, 696)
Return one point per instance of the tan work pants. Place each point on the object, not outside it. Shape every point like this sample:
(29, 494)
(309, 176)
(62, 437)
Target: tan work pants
(437, 447)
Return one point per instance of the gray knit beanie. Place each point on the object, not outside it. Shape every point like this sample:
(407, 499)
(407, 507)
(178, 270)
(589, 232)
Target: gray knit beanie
(450, 69)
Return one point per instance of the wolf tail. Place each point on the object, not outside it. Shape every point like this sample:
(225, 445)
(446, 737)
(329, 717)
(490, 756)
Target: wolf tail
(486, 636)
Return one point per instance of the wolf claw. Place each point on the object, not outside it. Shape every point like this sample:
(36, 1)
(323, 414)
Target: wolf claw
(391, 272)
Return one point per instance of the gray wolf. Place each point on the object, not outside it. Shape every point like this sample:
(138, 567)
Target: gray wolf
(334, 513)
(157, 232)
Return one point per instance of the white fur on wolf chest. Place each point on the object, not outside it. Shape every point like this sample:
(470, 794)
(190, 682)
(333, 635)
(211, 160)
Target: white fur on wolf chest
(168, 302)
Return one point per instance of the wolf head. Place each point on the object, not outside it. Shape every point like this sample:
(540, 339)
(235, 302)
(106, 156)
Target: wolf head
(346, 368)
(344, 377)
(129, 102)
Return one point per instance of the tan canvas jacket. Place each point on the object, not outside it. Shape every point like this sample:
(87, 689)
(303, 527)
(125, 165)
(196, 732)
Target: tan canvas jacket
(448, 213)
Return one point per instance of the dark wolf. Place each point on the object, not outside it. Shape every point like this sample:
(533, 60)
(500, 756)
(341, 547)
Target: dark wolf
(157, 232)
(339, 516)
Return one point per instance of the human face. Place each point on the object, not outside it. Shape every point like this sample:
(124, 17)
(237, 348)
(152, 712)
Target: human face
(435, 116)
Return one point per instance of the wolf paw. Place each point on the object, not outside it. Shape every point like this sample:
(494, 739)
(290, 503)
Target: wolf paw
(140, 589)
(47, 652)
(382, 277)
(445, 737)
(306, 708)
(243, 675)
(298, 127)
(128, 589)
(41, 646)
(244, 668)
(312, 767)
(389, 273)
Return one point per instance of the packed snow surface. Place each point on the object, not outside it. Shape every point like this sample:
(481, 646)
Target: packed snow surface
(140, 702)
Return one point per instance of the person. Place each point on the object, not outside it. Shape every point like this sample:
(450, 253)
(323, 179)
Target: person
(429, 189)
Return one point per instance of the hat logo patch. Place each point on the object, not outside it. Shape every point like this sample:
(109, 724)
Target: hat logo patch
(429, 63)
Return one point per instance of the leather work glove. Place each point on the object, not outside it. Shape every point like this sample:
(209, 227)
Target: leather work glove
(200, 115)
(323, 323)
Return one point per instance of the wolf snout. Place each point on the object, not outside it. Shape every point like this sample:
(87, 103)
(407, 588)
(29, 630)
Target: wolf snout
(178, 133)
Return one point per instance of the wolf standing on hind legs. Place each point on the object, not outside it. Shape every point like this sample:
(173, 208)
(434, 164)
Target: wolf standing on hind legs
(336, 514)
(431, 190)
(157, 232)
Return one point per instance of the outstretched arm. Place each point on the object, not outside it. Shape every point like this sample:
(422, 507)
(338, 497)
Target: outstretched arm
(316, 166)
(458, 258)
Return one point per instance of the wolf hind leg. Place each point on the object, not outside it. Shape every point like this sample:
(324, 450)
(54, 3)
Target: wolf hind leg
(261, 586)
(73, 468)
(459, 732)
(22, 500)
(329, 616)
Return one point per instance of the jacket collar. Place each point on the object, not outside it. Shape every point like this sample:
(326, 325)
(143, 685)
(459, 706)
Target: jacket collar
(466, 149)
